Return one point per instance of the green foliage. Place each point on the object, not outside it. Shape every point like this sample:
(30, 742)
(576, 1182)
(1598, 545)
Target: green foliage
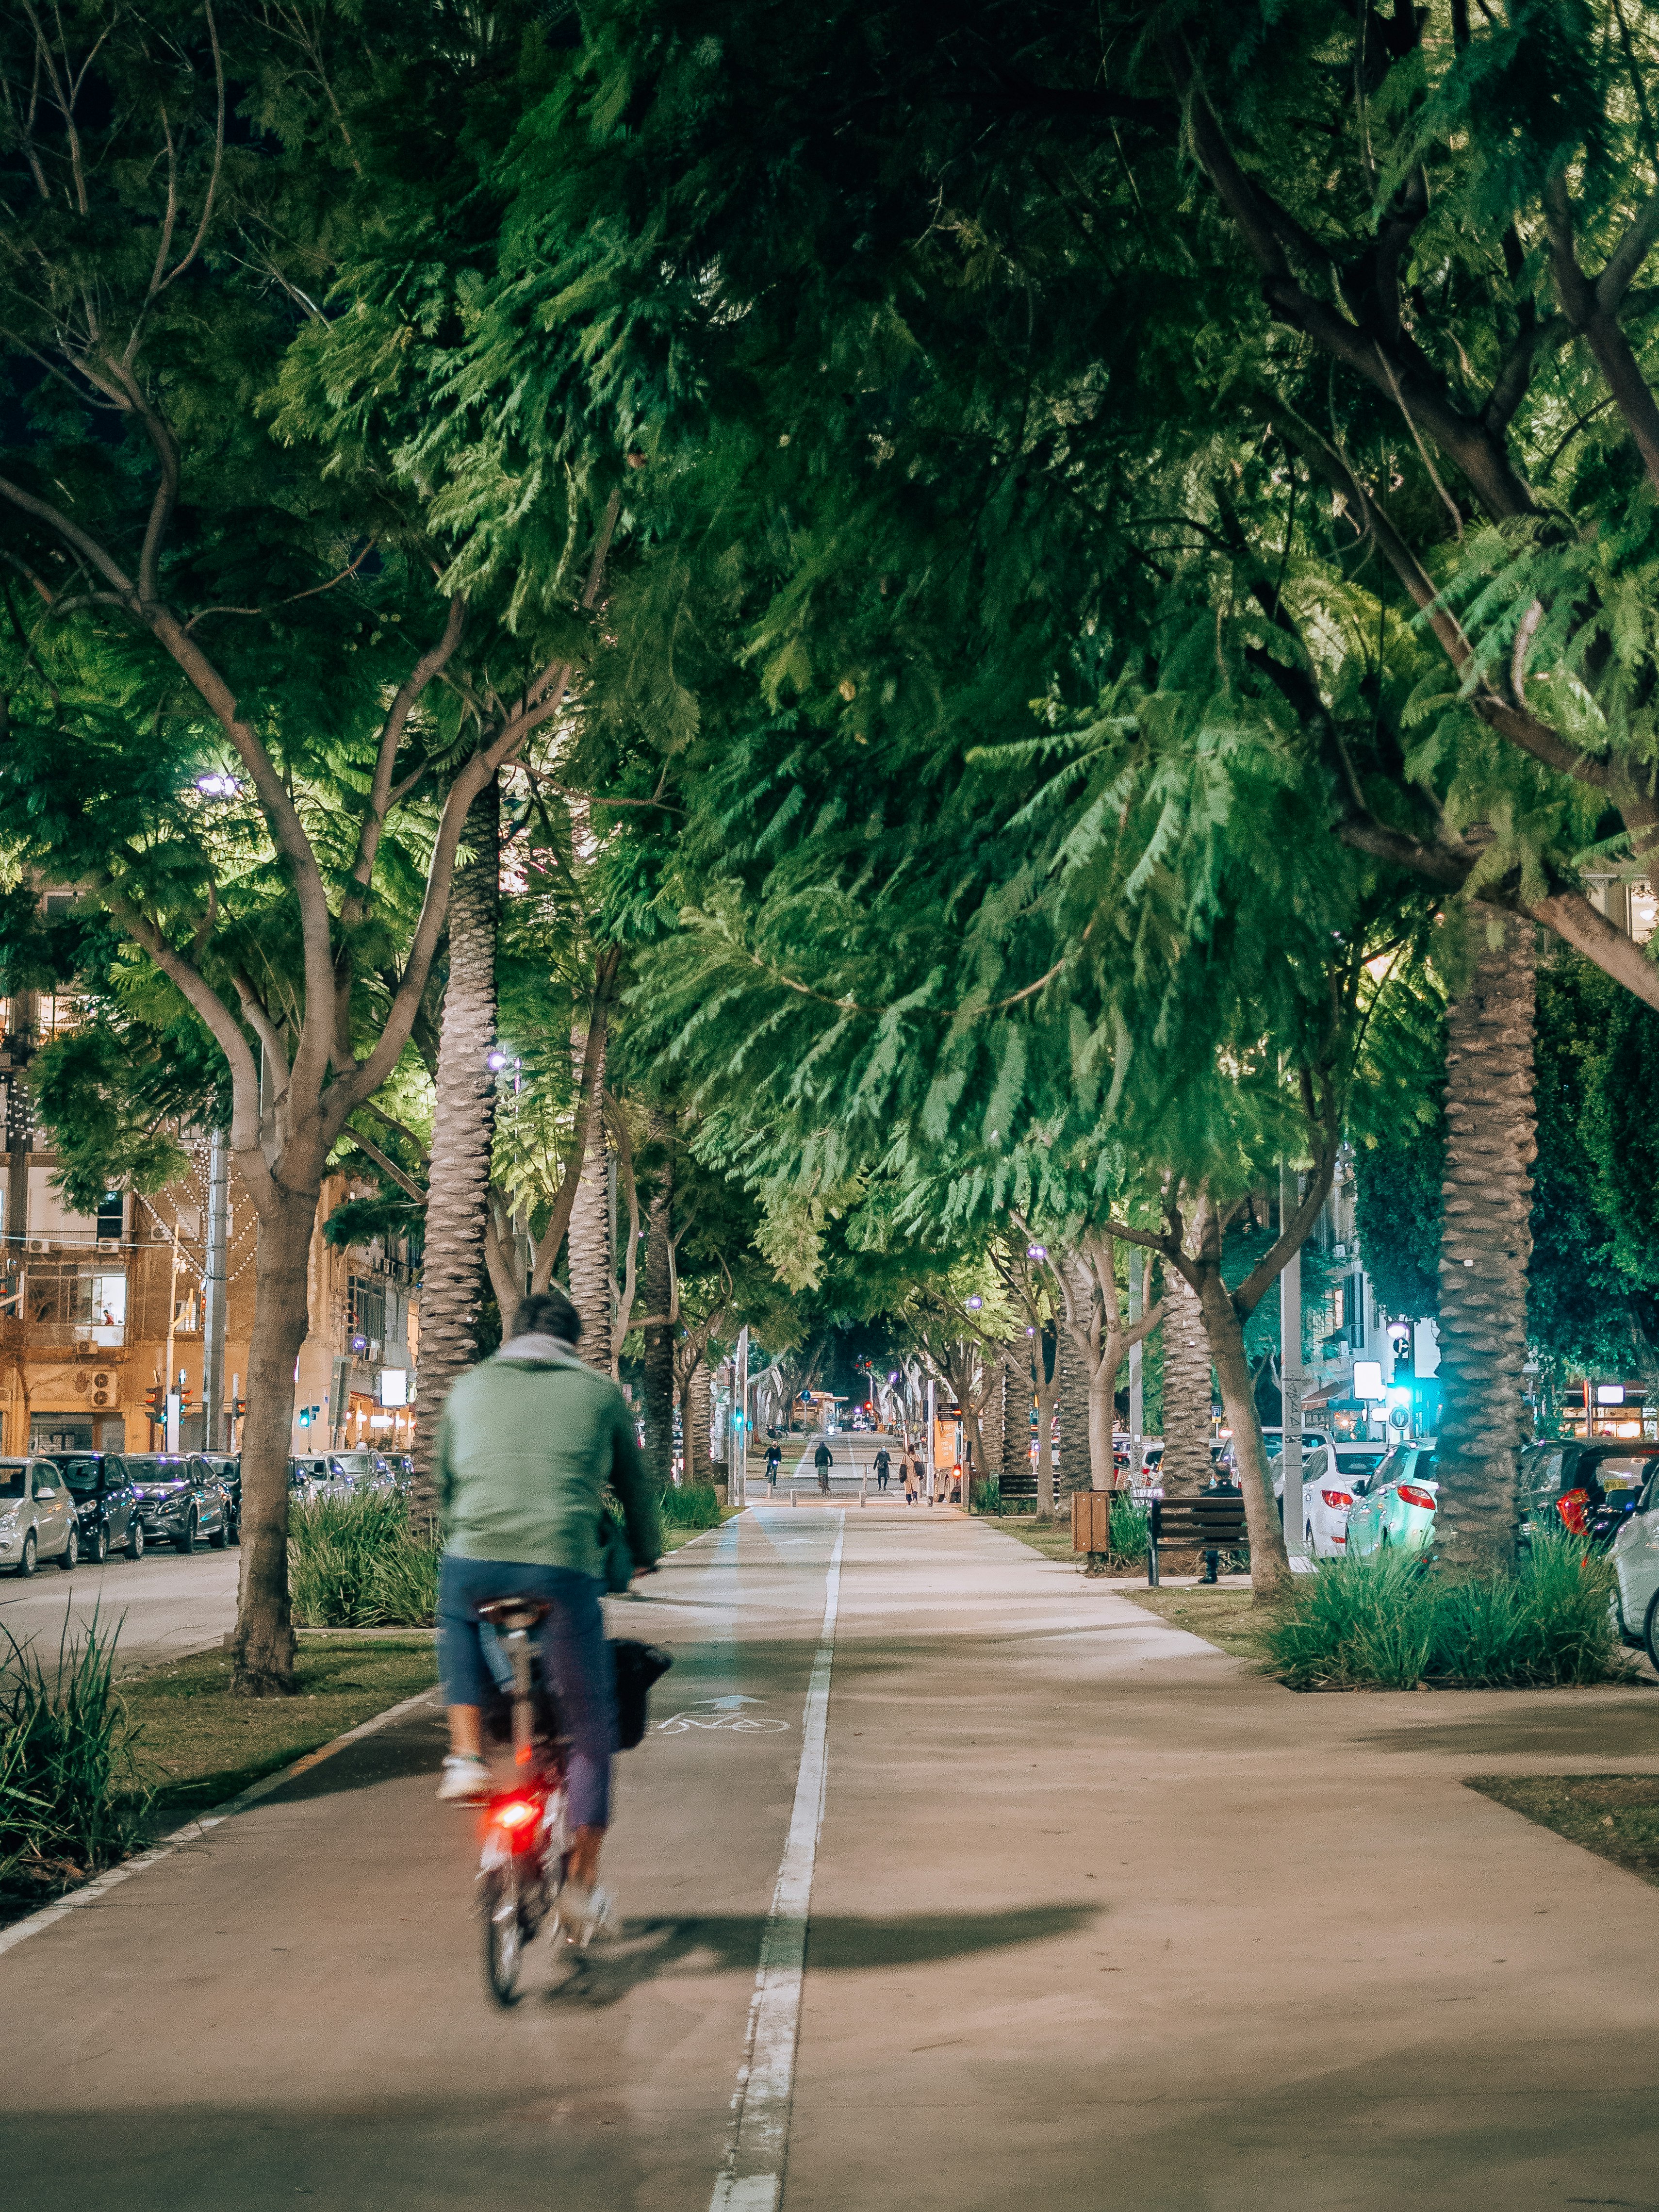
(1390, 1622)
(67, 1808)
(358, 1562)
(688, 1505)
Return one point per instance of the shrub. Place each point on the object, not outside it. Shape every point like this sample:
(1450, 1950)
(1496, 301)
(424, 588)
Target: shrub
(357, 1563)
(1393, 1620)
(66, 1808)
(1131, 1531)
(692, 1505)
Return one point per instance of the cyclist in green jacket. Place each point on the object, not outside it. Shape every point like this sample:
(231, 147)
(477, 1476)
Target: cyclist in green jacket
(527, 1444)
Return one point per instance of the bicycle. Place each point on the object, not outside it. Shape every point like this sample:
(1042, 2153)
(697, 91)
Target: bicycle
(521, 1869)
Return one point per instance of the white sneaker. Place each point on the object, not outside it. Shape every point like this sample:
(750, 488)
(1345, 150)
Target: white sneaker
(464, 1781)
(585, 1914)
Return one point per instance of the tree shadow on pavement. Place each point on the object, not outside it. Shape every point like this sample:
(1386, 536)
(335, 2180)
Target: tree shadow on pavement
(651, 1950)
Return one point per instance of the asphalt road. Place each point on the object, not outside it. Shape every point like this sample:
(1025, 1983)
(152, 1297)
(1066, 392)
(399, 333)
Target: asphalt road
(163, 1605)
(1099, 1922)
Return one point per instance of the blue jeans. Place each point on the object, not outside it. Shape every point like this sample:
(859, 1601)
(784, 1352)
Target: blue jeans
(576, 1660)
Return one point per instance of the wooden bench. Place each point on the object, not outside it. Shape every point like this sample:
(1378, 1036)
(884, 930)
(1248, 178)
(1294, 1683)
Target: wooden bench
(1211, 1523)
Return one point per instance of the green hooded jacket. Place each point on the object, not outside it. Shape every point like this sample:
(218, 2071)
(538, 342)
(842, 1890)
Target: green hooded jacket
(527, 1442)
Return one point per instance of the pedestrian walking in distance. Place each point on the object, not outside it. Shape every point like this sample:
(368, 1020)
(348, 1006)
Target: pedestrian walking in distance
(910, 1482)
(821, 1459)
(883, 1465)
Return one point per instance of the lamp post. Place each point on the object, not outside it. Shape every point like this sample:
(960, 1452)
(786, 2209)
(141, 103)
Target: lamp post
(1289, 1374)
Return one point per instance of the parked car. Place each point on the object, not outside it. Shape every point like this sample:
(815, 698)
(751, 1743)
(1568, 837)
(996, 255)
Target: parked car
(179, 1499)
(1334, 1472)
(1635, 1555)
(309, 1474)
(1566, 1483)
(1396, 1509)
(360, 1470)
(226, 1468)
(106, 1508)
(38, 1519)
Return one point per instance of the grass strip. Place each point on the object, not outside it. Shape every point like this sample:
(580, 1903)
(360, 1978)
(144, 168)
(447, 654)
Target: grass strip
(1227, 1615)
(194, 1745)
(1614, 1816)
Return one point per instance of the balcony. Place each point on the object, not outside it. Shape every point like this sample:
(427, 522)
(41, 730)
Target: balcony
(71, 1339)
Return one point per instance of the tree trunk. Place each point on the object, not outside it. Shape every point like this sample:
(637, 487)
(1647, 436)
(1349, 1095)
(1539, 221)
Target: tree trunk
(696, 1419)
(463, 1131)
(1072, 1396)
(1102, 1419)
(992, 1420)
(1016, 1459)
(263, 1648)
(1485, 1243)
(591, 1242)
(659, 1329)
(1186, 1463)
(1270, 1565)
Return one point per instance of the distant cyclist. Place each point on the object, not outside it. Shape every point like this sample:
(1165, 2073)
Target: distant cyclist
(774, 1460)
(821, 1459)
(527, 1442)
(883, 1466)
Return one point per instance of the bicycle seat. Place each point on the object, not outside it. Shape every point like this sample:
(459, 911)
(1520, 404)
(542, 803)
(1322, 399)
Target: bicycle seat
(511, 1613)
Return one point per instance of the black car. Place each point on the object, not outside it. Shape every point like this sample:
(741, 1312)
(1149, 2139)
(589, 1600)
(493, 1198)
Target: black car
(1558, 1486)
(227, 1469)
(104, 1505)
(179, 1499)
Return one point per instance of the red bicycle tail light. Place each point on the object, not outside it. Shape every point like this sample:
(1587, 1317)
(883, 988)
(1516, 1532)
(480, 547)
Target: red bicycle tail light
(1409, 1494)
(1336, 1497)
(517, 1813)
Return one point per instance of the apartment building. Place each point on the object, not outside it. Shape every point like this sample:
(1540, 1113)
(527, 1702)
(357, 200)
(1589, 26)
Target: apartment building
(98, 1310)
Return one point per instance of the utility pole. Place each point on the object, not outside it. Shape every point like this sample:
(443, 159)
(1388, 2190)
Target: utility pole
(1289, 1370)
(932, 1431)
(213, 1294)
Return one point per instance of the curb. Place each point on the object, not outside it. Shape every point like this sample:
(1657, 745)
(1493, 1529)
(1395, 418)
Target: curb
(90, 1891)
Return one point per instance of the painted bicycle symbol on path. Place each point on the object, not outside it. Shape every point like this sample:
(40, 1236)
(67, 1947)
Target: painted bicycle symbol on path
(721, 1713)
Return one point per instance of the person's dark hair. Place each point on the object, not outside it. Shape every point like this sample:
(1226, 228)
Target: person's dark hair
(548, 1313)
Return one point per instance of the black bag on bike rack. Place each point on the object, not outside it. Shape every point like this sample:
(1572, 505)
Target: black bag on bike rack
(638, 1666)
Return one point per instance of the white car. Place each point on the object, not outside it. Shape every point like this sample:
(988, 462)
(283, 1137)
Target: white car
(38, 1519)
(1635, 1555)
(1333, 1475)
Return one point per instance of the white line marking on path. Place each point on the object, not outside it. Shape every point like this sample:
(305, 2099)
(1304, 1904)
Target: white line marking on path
(751, 2180)
(91, 1892)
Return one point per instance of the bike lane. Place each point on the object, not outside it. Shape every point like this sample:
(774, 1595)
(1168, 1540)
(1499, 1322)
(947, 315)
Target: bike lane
(293, 2009)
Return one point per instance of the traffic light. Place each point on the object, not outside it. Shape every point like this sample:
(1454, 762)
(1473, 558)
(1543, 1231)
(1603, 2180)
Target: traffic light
(238, 1409)
(305, 1416)
(184, 1397)
(156, 1399)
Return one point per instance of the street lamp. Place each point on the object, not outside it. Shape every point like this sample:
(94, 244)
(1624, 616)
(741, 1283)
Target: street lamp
(217, 786)
(1036, 1251)
(975, 1304)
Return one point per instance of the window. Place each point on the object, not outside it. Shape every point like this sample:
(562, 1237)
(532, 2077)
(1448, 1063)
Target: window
(113, 1214)
(63, 1294)
(365, 1312)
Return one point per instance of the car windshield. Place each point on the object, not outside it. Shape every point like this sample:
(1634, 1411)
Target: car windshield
(1360, 1462)
(11, 1478)
(80, 1474)
(1622, 1474)
(358, 1462)
(148, 1467)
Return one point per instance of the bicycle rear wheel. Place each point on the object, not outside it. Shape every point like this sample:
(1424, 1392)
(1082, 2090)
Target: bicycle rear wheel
(499, 1889)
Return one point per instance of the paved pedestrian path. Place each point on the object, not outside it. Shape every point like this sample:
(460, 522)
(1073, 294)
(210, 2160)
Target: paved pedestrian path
(1097, 1919)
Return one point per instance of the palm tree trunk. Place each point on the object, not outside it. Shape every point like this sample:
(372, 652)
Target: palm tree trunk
(659, 1329)
(696, 1419)
(592, 1239)
(1486, 1243)
(1072, 1396)
(993, 1420)
(1186, 1463)
(1045, 1386)
(463, 1130)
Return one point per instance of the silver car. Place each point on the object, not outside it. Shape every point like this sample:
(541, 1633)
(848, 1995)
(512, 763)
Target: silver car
(1635, 1555)
(38, 1519)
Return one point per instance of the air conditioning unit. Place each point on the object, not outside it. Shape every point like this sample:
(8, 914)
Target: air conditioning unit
(37, 1244)
(101, 1397)
(109, 1244)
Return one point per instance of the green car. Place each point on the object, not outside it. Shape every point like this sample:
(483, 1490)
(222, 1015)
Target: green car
(1396, 1512)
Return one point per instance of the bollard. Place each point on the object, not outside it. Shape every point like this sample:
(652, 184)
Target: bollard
(794, 1497)
(864, 1487)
